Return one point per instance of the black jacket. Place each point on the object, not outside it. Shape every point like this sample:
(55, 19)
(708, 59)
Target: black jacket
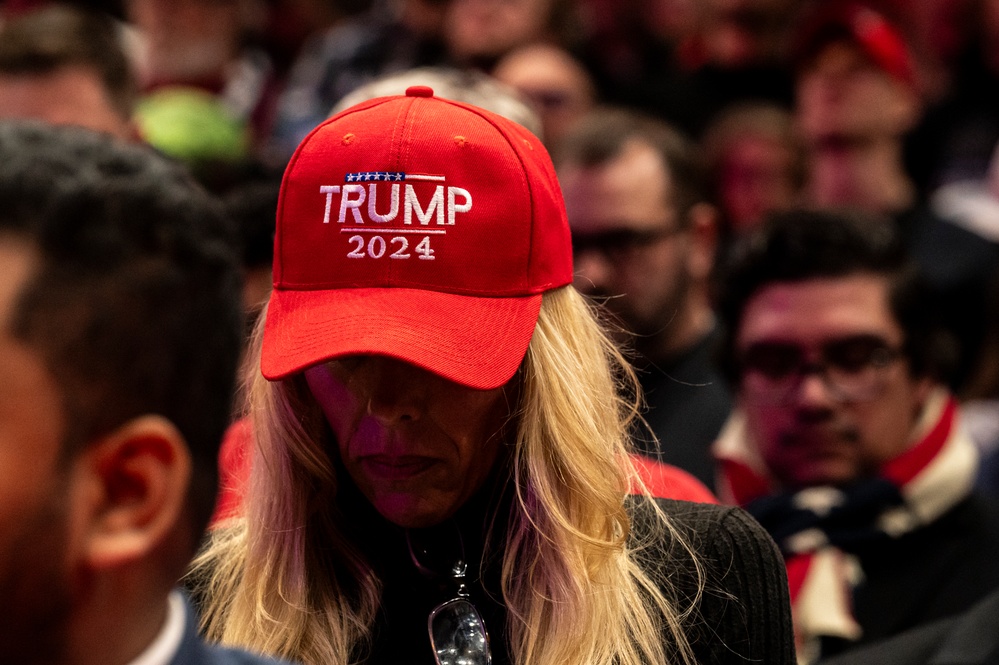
(971, 638)
(743, 615)
(931, 573)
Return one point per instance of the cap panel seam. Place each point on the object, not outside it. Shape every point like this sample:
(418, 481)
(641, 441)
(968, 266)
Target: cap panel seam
(400, 133)
(401, 139)
(523, 174)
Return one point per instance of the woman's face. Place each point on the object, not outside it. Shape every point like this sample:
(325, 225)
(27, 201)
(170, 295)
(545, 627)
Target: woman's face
(415, 444)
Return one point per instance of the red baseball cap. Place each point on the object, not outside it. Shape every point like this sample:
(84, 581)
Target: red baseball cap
(882, 41)
(418, 228)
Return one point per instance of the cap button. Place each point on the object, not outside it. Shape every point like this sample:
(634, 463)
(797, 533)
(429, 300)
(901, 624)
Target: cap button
(419, 91)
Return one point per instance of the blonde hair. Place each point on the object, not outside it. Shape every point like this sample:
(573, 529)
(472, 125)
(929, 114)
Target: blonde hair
(284, 580)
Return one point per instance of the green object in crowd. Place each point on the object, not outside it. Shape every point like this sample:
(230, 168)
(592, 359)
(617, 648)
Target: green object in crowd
(192, 125)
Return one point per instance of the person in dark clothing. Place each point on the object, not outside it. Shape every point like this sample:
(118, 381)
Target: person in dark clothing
(970, 638)
(120, 330)
(364, 46)
(858, 95)
(441, 465)
(846, 445)
(644, 238)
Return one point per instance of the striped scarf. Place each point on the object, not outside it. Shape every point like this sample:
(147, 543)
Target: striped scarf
(817, 527)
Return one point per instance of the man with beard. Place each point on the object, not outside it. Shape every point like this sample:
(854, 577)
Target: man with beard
(845, 443)
(644, 239)
(120, 330)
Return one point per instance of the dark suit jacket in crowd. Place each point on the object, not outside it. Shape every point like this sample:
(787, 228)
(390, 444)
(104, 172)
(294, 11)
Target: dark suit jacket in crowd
(934, 572)
(195, 651)
(971, 638)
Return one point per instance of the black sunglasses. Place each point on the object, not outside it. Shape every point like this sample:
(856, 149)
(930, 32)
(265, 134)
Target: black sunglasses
(619, 243)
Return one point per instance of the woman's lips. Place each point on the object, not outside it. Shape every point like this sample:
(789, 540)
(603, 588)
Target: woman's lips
(390, 467)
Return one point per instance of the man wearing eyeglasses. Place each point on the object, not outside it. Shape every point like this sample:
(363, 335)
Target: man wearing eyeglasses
(845, 443)
(644, 239)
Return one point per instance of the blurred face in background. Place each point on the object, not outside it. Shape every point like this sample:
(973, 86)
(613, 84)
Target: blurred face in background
(742, 32)
(755, 177)
(187, 40)
(491, 28)
(842, 95)
(827, 393)
(629, 246)
(556, 86)
(72, 95)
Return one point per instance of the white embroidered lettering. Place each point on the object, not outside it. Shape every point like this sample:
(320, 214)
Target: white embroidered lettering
(373, 204)
(424, 250)
(401, 252)
(361, 198)
(434, 208)
(358, 251)
(376, 247)
(453, 206)
(329, 191)
(353, 204)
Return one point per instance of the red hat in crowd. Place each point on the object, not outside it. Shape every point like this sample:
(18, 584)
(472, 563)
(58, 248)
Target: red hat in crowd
(881, 40)
(418, 228)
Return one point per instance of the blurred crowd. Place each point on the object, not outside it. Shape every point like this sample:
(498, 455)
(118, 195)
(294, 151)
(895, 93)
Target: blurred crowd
(237, 82)
(677, 128)
(248, 79)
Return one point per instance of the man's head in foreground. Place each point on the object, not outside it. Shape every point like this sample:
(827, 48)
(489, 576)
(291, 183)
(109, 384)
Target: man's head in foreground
(119, 337)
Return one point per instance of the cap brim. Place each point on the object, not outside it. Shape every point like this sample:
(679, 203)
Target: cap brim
(478, 342)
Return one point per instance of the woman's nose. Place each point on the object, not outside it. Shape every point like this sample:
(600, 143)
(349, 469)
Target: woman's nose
(395, 391)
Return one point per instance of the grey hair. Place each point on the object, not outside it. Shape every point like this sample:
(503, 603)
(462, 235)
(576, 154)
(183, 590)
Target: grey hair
(460, 85)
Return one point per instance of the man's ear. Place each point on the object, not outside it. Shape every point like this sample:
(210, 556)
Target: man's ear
(703, 240)
(137, 480)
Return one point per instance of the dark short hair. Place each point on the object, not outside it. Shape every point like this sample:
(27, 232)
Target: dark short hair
(603, 133)
(135, 305)
(48, 39)
(801, 245)
(252, 207)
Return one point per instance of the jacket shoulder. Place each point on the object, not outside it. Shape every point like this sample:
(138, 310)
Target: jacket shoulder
(194, 650)
(721, 565)
(215, 655)
(969, 638)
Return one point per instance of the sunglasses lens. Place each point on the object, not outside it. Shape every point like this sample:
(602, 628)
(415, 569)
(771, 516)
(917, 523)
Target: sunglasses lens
(458, 634)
